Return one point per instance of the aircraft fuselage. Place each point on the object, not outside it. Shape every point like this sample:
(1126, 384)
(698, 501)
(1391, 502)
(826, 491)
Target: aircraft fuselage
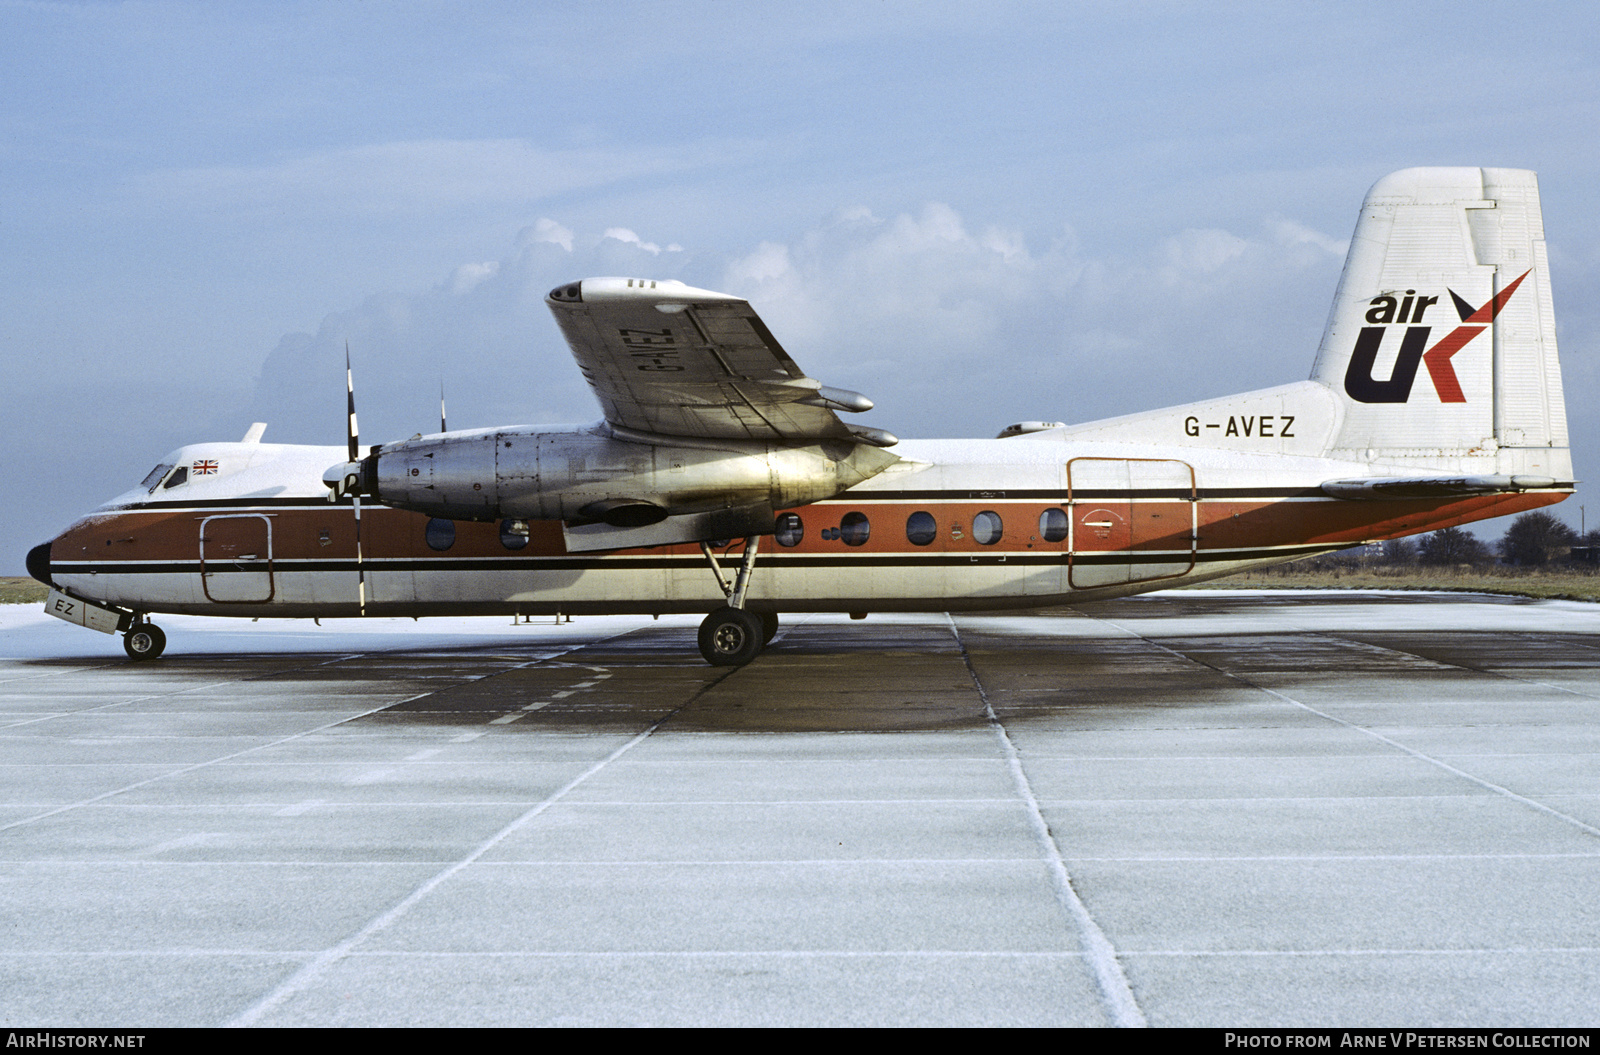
(956, 525)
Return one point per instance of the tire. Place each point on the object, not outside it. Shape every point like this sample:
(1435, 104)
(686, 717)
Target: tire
(144, 641)
(769, 627)
(730, 637)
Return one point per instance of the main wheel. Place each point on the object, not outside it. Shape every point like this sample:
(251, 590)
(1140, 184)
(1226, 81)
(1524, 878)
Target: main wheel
(144, 641)
(730, 637)
(769, 627)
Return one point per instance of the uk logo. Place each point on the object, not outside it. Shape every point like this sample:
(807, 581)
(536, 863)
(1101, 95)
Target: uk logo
(1385, 311)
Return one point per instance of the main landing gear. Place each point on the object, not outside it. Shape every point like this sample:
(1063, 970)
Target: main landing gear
(144, 641)
(733, 635)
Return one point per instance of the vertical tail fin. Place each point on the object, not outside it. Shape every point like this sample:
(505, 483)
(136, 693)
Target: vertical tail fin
(1441, 344)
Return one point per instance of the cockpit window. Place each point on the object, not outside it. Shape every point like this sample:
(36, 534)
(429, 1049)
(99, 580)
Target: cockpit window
(181, 476)
(149, 482)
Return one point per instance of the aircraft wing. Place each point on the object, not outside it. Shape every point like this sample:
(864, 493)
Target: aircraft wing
(667, 359)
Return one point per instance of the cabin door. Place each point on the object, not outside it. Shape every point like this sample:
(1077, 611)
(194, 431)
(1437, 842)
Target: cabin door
(1132, 520)
(236, 558)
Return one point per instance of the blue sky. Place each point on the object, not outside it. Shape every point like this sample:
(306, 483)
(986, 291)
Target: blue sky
(975, 213)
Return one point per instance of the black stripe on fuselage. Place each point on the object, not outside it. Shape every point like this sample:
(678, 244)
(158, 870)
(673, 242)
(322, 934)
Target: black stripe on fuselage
(1061, 496)
(1052, 495)
(624, 562)
(242, 504)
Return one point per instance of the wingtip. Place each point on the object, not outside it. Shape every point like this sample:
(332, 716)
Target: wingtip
(646, 290)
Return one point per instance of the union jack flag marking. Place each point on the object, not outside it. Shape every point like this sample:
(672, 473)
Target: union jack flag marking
(205, 468)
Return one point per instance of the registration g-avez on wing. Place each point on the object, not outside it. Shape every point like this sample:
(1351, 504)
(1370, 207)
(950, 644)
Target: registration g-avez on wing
(723, 479)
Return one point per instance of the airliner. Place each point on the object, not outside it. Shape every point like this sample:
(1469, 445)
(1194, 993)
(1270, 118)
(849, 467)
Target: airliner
(722, 479)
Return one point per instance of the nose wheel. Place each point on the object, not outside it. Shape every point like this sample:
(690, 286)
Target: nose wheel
(144, 641)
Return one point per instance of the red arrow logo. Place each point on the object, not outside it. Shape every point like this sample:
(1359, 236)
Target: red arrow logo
(1438, 357)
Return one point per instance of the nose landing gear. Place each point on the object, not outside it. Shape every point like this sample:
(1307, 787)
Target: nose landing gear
(144, 641)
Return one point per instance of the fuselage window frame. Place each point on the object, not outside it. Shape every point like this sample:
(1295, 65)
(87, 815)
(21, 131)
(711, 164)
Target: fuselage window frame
(513, 534)
(987, 528)
(855, 528)
(921, 528)
(1054, 524)
(440, 534)
(789, 530)
(153, 479)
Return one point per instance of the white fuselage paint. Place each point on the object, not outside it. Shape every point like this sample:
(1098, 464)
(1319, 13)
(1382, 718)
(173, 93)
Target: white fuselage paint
(258, 537)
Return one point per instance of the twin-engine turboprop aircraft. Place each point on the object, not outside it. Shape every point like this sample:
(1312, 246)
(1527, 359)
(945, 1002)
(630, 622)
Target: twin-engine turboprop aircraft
(715, 442)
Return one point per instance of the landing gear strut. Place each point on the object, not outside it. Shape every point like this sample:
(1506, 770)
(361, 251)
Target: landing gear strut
(733, 635)
(144, 641)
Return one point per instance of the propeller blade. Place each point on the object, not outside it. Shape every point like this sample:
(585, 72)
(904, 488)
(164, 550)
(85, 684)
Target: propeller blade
(361, 570)
(354, 435)
(351, 431)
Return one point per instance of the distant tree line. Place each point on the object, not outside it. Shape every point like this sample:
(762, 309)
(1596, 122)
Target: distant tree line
(1534, 540)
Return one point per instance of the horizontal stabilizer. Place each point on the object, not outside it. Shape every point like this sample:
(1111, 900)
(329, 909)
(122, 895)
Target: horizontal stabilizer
(1394, 488)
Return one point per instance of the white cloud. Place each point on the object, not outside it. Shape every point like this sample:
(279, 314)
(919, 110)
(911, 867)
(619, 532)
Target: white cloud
(955, 331)
(1200, 252)
(468, 275)
(952, 331)
(546, 230)
(483, 330)
(1290, 233)
(768, 263)
(622, 234)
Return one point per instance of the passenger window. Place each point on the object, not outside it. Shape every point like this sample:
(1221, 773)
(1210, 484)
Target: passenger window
(921, 528)
(987, 528)
(441, 534)
(513, 534)
(181, 476)
(1053, 524)
(789, 529)
(854, 529)
(150, 481)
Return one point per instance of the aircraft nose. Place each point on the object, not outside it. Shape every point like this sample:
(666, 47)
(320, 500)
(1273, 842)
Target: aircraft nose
(39, 563)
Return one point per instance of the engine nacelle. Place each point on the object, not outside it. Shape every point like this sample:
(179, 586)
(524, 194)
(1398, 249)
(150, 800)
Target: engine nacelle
(598, 473)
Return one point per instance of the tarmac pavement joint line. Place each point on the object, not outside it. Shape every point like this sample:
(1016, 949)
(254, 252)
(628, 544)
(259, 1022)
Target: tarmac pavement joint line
(1370, 647)
(158, 695)
(120, 703)
(1413, 752)
(1120, 1004)
(307, 975)
(600, 675)
(342, 657)
(201, 765)
(162, 695)
(58, 673)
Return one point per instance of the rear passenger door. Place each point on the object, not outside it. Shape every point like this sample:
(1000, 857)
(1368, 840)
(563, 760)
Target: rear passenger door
(1133, 520)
